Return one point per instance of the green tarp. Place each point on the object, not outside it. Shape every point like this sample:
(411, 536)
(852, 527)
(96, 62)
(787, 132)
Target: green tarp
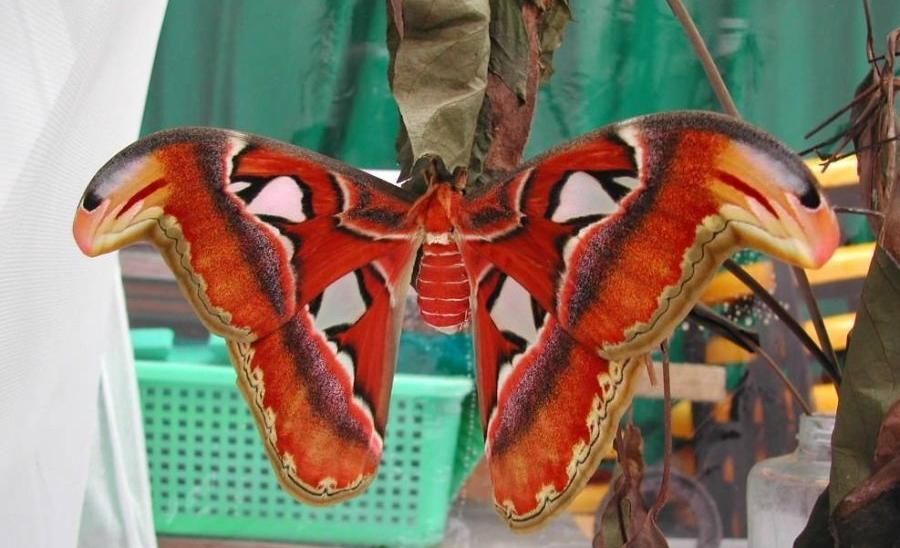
(315, 73)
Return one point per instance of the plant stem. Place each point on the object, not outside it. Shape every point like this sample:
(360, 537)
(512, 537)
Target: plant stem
(817, 320)
(709, 65)
(722, 93)
(663, 492)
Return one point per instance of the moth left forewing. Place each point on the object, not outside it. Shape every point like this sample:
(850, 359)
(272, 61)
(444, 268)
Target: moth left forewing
(299, 261)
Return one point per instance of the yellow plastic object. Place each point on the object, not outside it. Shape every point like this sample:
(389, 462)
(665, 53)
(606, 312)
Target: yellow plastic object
(825, 398)
(682, 420)
(848, 263)
(840, 173)
(721, 351)
(587, 501)
(722, 410)
(725, 287)
(838, 328)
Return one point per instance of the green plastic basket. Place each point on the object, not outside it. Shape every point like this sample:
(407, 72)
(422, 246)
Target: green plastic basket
(210, 475)
(152, 343)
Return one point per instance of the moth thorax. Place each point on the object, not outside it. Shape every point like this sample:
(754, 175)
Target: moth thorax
(442, 285)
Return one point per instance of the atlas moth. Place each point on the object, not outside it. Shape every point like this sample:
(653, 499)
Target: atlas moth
(566, 269)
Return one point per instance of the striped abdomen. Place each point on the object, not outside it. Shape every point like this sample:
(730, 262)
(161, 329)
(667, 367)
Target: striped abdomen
(443, 286)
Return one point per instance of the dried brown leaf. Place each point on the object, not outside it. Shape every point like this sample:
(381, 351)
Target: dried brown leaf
(887, 447)
(873, 127)
(395, 9)
(556, 16)
(870, 514)
(625, 521)
(438, 74)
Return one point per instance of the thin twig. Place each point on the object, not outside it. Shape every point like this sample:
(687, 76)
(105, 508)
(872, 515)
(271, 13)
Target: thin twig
(876, 145)
(830, 366)
(817, 320)
(721, 91)
(870, 41)
(663, 494)
(856, 127)
(651, 372)
(859, 97)
(709, 66)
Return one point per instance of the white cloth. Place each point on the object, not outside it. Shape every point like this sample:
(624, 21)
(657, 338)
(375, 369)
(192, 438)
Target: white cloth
(73, 79)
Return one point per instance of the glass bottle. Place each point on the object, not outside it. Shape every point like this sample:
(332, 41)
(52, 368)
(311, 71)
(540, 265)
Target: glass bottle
(781, 491)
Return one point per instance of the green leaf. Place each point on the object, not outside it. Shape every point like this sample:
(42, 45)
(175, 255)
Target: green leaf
(871, 379)
(439, 75)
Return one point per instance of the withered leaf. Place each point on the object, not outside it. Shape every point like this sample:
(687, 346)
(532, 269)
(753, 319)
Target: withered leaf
(509, 45)
(625, 521)
(877, 150)
(552, 26)
(395, 10)
(870, 513)
(438, 75)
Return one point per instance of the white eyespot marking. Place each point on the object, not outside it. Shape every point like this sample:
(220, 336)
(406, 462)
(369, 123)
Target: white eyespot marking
(630, 183)
(630, 133)
(287, 244)
(280, 197)
(581, 196)
(346, 361)
(512, 312)
(506, 370)
(238, 186)
(364, 406)
(235, 144)
(342, 303)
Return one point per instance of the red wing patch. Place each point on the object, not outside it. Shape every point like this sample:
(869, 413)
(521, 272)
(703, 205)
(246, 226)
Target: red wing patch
(327, 213)
(523, 224)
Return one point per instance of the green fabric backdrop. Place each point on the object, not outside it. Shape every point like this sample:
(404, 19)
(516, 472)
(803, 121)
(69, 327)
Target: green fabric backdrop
(314, 73)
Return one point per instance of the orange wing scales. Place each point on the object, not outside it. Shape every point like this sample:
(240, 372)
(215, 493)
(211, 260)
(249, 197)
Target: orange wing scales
(302, 397)
(558, 410)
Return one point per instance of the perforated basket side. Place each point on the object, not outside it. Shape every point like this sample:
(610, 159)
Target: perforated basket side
(210, 475)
